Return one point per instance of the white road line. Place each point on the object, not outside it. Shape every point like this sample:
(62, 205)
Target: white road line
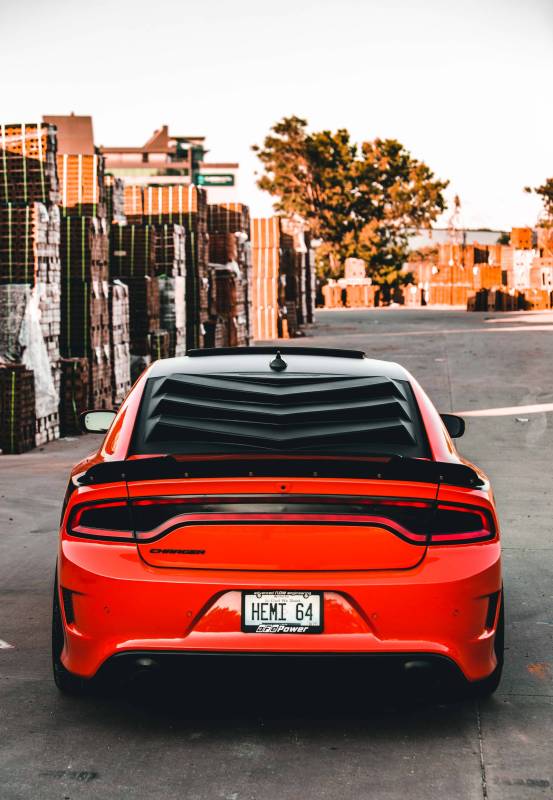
(538, 408)
(5, 645)
(445, 332)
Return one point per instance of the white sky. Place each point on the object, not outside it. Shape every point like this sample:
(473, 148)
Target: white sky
(464, 84)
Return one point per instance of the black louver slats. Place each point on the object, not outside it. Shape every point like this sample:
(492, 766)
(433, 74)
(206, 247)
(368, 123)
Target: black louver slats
(280, 413)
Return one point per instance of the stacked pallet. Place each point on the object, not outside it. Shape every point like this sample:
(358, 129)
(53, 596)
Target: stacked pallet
(28, 171)
(173, 312)
(170, 250)
(498, 300)
(81, 180)
(186, 206)
(299, 276)
(17, 408)
(283, 278)
(119, 341)
(144, 309)
(133, 206)
(133, 253)
(85, 328)
(114, 194)
(74, 394)
(228, 218)
(229, 257)
(133, 250)
(29, 278)
(266, 316)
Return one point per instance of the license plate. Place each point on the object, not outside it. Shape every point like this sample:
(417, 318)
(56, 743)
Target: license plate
(282, 612)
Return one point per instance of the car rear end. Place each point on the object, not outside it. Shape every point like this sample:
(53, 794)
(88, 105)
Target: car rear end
(262, 513)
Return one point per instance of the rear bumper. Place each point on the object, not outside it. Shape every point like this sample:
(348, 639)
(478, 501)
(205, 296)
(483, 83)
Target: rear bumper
(122, 607)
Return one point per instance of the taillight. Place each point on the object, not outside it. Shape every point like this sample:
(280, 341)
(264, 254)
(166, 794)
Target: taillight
(420, 522)
(452, 524)
(104, 521)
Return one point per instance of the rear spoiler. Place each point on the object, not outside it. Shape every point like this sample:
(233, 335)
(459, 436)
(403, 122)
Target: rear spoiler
(399, 468)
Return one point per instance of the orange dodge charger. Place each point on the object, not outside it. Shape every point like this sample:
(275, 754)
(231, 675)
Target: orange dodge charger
(300, 501)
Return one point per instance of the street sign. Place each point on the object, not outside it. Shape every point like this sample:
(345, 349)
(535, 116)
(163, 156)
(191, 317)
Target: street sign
(215, 179)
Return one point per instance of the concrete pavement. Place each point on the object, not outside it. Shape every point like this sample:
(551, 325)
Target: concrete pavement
(313, 744)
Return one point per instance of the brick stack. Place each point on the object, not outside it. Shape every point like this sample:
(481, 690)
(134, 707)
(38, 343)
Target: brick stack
(265, 238)
(283, 278)
(119, 341)
(28, 170)
(229, 256)
(85, 329)
(186, 206)
(173, 312)
(17, 408)
(133, 252)
(81, 180)
(295, 266)
(30, 277)
(114, 193)
(74, 394)
(171, 269)
(133, 206)
(170, 250)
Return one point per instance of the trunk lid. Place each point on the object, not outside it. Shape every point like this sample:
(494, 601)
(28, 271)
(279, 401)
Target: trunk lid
(289, 525)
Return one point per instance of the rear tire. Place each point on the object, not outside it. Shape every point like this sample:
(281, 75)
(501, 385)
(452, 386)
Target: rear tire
(487, 686)
(66, 681)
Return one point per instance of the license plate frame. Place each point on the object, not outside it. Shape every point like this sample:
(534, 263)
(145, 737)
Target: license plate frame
(280, 626)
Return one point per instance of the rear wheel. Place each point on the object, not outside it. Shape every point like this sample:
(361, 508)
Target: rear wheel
(487, 686)
(66, 681)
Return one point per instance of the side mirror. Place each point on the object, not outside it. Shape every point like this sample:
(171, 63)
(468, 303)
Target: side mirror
(97, 421)
(454, 425)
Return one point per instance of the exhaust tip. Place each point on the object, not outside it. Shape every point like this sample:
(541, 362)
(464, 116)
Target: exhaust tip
(145, 663)
(417, 667)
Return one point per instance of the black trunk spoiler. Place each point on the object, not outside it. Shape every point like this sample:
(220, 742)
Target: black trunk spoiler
(398, 468)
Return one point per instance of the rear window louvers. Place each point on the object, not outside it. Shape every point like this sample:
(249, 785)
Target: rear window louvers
(292, 413)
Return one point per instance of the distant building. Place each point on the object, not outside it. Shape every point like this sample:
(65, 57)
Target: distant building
(75, 134)
(441, 235)
(173, 159)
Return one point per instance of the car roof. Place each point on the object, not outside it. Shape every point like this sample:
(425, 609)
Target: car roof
(306, 360)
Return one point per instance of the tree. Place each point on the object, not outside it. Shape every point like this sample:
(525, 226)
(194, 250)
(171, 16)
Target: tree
(362, 201)
(545, 223)
(545, 191)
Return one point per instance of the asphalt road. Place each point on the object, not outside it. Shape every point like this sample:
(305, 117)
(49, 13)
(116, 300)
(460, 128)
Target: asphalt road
(221, 738)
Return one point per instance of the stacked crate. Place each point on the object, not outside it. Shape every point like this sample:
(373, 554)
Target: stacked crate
(30, 275)
(85, 329)
(119, 341)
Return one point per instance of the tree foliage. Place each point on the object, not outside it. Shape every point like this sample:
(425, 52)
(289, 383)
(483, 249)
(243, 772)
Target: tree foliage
(361, 200)
(545, 192)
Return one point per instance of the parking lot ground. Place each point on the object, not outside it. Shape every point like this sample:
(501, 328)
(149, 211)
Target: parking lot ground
(217, 735)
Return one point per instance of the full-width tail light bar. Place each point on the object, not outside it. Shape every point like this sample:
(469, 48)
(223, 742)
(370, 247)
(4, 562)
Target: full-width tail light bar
(418, 522)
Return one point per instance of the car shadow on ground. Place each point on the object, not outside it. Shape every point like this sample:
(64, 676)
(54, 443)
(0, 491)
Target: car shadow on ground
(219, 691)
